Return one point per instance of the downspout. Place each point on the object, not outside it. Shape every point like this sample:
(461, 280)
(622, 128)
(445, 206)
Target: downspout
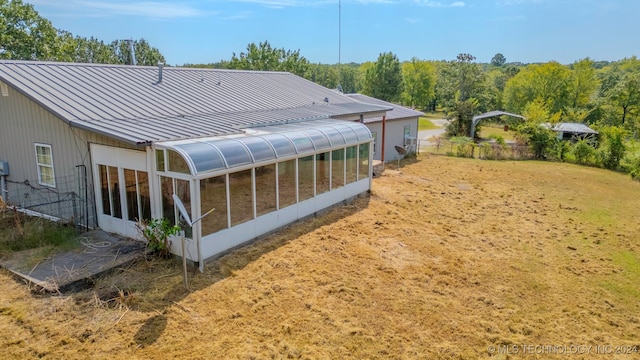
(384, 118)
(4, 193)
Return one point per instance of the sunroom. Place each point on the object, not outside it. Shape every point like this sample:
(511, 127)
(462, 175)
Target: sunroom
(259, 180)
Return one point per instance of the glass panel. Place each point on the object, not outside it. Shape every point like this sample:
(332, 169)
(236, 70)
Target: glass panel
(334, 136)
(301, 141)
(265, 189)
(131, 194)
(352, 164)
(233, 152)
(305, 177)
(241, 197)
(363, 132)
(319, 140)
(177, 163)
(145, 197)
(407, 131)
(213, 195)
(283, 146)
(260, 148)
(104, 190)
(204, 156)
(363, 171)
(183, 192)
(337, 168)
(287, 183)
(160, 160)
(348, 133)
(115, 191)
(322, 173)
(166, 190)
(46, 175)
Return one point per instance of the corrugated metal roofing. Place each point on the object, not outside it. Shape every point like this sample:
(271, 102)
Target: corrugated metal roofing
(128, 102)
(577, 128)
(398, 112)
(495, 113)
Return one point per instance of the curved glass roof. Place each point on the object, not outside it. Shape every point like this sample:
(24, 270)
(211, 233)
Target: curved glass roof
(261, 144)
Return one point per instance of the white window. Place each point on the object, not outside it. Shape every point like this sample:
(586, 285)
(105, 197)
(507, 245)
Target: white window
(44, 161)
(374, 134)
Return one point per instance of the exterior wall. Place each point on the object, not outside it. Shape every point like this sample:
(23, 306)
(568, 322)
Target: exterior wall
(24, 123)
(394, 130)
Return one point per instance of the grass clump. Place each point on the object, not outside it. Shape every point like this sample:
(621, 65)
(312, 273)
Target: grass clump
(21, 232)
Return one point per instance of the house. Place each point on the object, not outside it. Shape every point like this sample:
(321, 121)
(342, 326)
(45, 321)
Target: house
(399, 127)
(107, 145)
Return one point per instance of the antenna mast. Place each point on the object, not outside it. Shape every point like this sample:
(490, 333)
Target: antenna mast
(339, 87)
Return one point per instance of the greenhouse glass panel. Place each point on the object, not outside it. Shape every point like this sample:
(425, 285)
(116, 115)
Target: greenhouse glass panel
(241, 197)
(320, 141)
(335, 138)
(301, 141)
(204, 156)
(363, 171)
(352, 164)
(283, 146)
(259, 148)
(233, 152)
(322, 173)
(213, 195)
(305, 177)
(177, 163)
(287, 183)
(347, 132)
(265, 189)
(337, 168)
(363, 133)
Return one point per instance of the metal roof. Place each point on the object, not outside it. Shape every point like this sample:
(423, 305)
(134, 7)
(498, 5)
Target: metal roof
(129, 103)
(398, 112)
(577, 128)
(495, 113)
(266, 143)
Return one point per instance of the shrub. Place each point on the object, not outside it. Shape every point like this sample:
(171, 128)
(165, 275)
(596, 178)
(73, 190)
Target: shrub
(583, 152)
(541, 139)
(612, 148)
(157, 233)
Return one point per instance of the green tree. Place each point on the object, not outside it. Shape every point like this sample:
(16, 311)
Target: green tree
(144, 53)
(461, 80)
(24, 34)
(265, 57)
(548, 82)
(460, 116)
(498, 60)
(612, 148)
(419, 83)
(583, 83)
(384, 79)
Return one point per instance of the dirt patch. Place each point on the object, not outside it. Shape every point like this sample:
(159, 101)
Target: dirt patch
(447, 258)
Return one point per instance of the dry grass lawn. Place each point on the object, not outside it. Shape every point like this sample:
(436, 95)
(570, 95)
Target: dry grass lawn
(446, 258)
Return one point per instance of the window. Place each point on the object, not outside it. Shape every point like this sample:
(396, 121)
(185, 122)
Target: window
(337, 168)
(44, 161)
(374, 134)
(241, 196)
(322, 173)
(305, 178)
(177, 163)
(287, 183)
(352, 164)
(407, 131)
(363, 169)
(265, 189)
(213, 195)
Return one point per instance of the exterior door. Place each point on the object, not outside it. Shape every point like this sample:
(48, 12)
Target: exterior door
(121, 188)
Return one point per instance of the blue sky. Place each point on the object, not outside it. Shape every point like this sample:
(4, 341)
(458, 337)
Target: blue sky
(207, 31)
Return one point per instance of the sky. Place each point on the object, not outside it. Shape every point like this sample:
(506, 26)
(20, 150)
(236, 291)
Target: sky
(332, 31)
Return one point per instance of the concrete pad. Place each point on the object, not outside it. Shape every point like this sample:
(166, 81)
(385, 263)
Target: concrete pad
(99, 253)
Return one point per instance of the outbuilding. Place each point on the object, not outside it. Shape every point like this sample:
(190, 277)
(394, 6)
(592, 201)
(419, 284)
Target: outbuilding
(109, 145)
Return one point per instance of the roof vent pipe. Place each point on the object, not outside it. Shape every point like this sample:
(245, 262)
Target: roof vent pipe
(160, 66)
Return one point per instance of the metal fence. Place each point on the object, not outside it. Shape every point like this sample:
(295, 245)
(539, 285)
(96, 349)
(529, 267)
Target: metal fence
(484, 150)
(70, 201)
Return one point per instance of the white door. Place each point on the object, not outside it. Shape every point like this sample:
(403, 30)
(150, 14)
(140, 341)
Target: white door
(122, 189)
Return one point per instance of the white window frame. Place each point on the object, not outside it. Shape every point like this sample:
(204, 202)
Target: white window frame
(40, 166)
(374, 135)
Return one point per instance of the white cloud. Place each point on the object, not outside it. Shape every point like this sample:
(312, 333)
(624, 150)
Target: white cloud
(439, 4)
(152, 9)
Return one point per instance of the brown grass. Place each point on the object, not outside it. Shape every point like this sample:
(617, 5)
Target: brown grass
(447, 257)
